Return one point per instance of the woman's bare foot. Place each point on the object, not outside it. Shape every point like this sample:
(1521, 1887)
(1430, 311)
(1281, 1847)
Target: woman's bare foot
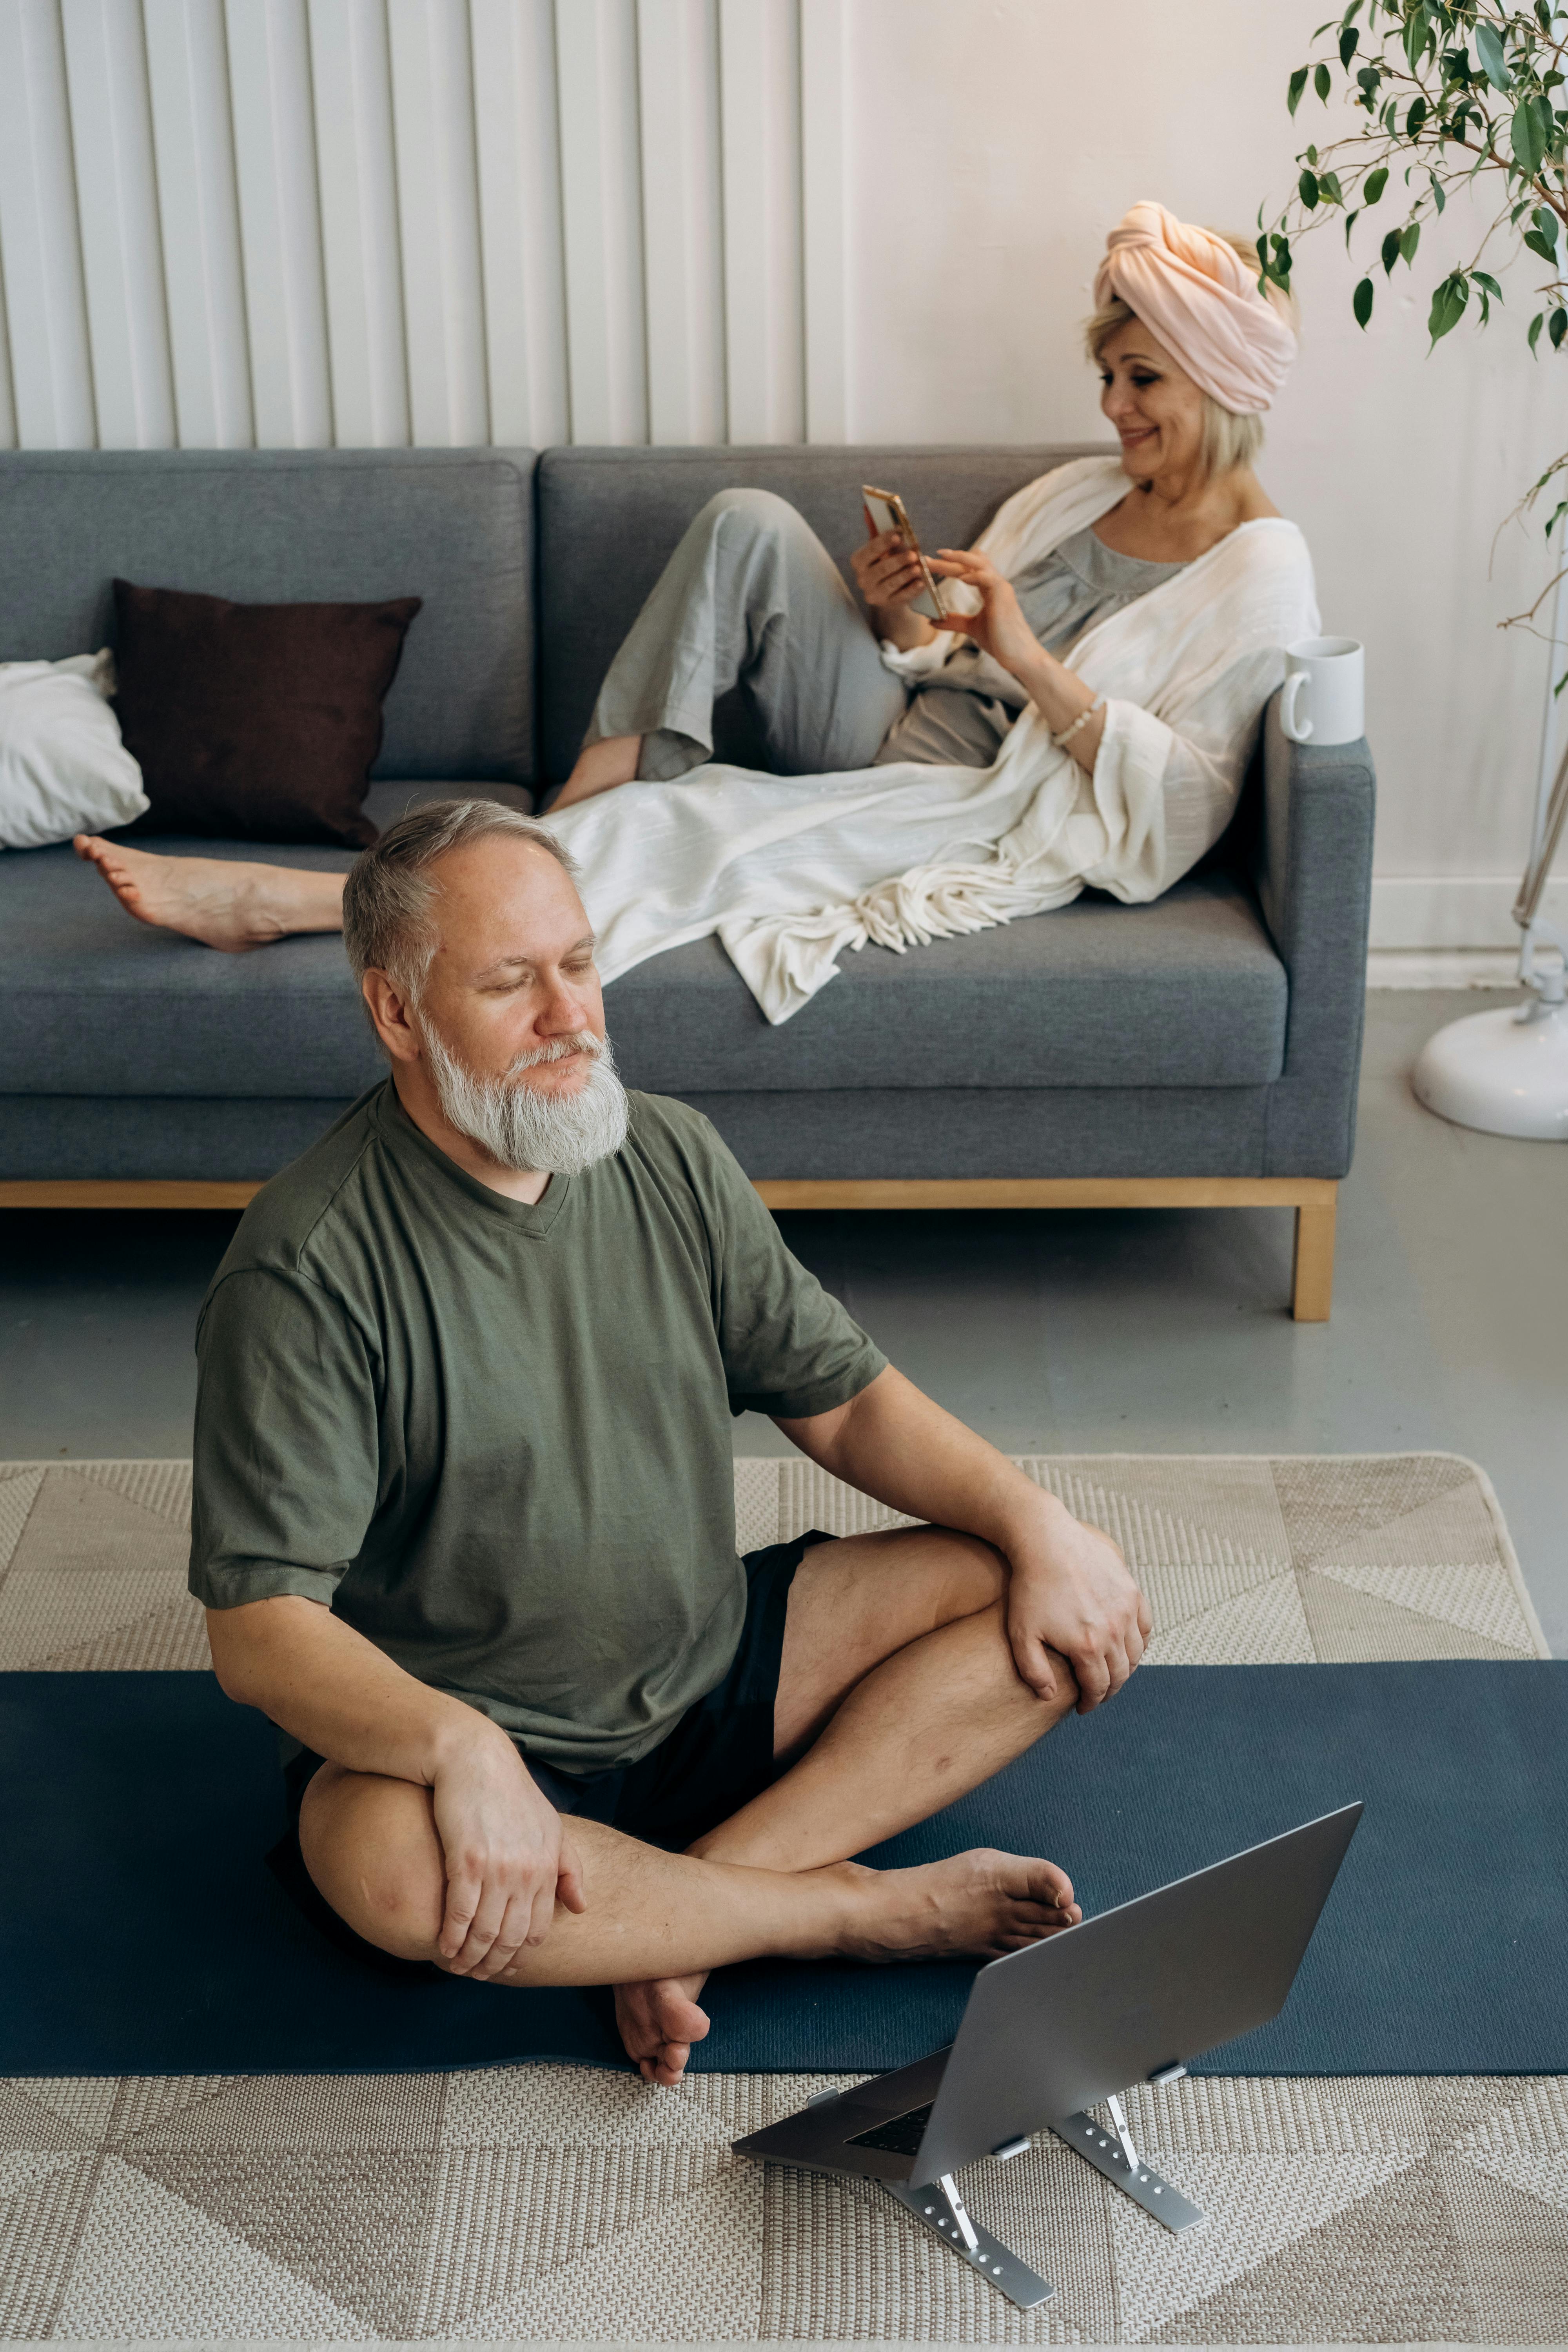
(978, 1904)
(659, 2023)
(224, 905)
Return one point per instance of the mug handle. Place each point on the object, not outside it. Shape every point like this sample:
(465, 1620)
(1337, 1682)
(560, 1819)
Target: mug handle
(1299, 730)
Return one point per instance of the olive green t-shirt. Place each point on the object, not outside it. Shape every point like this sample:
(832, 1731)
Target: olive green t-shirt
(495, 1438)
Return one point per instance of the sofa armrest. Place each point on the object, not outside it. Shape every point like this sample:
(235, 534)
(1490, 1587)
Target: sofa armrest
(1313, 874)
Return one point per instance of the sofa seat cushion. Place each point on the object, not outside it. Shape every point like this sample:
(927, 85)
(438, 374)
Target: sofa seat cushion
(99, 1005)
(1188, 992)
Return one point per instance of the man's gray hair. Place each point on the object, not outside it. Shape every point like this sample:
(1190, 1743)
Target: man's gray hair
(388, 895)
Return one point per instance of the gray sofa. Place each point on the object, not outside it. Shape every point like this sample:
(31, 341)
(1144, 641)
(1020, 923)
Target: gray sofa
(1204, 1048)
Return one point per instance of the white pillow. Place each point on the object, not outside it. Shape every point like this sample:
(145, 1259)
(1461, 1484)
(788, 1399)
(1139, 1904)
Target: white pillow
(63, 768)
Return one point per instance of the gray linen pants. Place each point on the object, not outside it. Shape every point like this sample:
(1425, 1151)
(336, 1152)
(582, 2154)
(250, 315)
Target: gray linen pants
(751, 598)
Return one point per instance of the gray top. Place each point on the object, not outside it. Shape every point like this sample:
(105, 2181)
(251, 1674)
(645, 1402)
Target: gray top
(958, 716)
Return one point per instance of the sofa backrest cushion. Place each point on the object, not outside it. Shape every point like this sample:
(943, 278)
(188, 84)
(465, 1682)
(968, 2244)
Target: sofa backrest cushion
(608, 519)
(284, 526)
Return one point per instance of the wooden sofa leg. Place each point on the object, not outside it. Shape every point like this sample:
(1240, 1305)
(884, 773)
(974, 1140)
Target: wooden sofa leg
(1312, 1283)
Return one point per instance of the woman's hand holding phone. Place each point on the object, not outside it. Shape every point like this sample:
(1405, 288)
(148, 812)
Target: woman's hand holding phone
(888, 573)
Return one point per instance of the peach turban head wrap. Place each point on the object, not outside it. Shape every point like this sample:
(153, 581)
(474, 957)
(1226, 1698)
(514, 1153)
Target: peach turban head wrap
(1200, 297)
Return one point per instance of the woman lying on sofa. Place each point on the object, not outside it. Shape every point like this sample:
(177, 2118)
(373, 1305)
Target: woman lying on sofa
(931, 777)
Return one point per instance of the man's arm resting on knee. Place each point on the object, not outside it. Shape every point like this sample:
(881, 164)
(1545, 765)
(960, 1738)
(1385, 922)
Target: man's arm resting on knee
(508, 1856)
(1069, 1588)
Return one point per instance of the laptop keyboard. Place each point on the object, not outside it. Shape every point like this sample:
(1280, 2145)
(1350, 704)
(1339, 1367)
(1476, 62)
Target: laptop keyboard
(902, 2136)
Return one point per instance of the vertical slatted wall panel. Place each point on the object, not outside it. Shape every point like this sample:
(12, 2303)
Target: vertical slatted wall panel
(40, 237)
(759, 89)
(7, 397)
(362, 250)
(370, 222)
(519, 220)
(595, 50)
(117, 194)
(682, 201)
(198, 211)
(279, 221)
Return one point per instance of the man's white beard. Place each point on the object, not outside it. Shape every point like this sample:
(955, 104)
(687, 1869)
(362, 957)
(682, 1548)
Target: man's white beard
(535, 1133)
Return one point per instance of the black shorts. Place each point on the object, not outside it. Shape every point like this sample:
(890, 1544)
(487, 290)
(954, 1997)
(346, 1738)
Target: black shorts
(717, 1757)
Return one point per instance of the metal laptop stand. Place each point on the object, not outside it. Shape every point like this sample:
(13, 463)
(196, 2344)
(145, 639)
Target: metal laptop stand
(939, 2206)
(1127, 1996)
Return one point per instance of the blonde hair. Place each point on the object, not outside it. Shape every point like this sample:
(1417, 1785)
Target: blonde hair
(1228, 440)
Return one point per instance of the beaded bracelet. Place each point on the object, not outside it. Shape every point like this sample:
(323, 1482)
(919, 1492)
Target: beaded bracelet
(1065, 738)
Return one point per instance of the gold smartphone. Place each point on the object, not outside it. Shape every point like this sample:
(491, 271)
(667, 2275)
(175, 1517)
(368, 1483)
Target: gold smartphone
(888, 512)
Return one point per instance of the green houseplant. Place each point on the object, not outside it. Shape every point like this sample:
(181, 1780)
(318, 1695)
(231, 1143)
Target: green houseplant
(1444, 94)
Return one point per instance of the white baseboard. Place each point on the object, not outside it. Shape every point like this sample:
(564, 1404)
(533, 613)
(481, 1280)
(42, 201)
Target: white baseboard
(1442, 968)
(1423, 912)
(1450, 931)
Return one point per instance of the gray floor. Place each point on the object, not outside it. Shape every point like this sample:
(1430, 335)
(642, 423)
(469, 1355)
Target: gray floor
(1158, 1332)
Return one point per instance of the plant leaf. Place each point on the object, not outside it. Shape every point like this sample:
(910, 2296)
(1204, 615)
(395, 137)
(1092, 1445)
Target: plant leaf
(1329, 188)
(1535, 326)
(1484, 278)
(1360, 302)
(1557, 327)
(1415, 118)
(1524, 134)
(1390, 252)
(1298, 84)
(1447, 305)
(1348, 36)
(1488, 49)
(1537, 243)
(1409, 238)
(1375, 184)
(1545, 220)
(1323, 82)
(1308, 186)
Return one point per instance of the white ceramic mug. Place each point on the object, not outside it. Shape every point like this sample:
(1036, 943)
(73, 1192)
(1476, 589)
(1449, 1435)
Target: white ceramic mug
(1328, 674)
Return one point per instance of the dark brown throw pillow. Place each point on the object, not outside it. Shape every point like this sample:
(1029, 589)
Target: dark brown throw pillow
(258, 723)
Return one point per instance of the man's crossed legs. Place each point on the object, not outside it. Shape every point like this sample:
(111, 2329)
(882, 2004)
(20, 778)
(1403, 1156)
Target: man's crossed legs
(897, 1693)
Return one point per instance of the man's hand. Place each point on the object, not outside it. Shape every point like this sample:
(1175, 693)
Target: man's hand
(1070, 1592)
(509, 1858)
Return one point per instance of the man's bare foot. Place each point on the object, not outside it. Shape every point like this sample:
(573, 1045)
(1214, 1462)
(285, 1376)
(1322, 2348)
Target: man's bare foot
(982, 1902)
(224, 905)
(974, 1905)
(659, 2023)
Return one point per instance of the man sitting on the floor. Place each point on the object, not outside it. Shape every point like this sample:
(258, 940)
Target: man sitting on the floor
(464, 1510)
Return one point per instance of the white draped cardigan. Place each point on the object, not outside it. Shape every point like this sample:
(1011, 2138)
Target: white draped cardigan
(791, 870)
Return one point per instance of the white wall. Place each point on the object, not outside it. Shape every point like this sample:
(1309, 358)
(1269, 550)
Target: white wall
(291, 221)
(993, 147)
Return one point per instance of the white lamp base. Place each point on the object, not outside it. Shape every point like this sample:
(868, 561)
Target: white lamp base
(1505, 1076)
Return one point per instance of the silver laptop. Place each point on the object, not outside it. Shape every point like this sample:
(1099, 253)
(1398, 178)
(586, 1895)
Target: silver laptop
(1127, 1997)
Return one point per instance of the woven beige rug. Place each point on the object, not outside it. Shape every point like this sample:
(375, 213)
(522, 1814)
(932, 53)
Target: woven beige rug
(559, 2202)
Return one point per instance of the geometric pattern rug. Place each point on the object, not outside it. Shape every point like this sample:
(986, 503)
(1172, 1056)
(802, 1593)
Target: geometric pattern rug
(556, 2202)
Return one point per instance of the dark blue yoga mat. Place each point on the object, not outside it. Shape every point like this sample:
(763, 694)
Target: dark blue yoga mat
(140, 1932)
